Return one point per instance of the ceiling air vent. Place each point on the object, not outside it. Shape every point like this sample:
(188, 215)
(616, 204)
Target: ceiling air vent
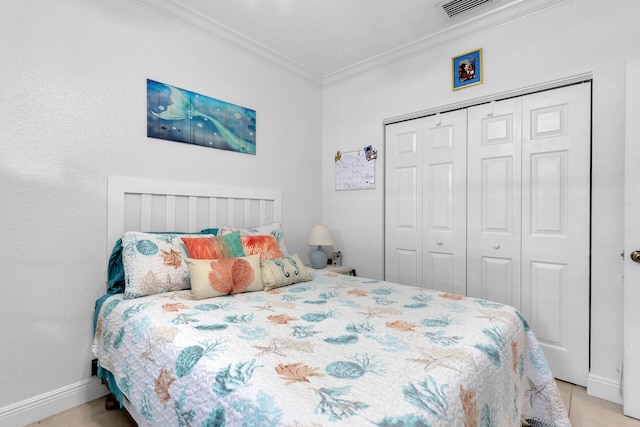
(457, 7)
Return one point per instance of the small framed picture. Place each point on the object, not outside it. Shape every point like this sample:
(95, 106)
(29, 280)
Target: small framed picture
(370, 153)
(467, 69)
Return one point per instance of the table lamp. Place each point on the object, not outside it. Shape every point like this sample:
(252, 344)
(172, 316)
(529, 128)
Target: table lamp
(319, 236)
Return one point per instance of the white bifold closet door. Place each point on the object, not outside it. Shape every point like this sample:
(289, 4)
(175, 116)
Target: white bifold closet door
(494, 215)
(493, 201)
(403, 203)
(425, 226)
(529, 215)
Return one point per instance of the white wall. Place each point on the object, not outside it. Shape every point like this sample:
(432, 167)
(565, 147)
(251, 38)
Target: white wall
(576, 37)
(72, 112)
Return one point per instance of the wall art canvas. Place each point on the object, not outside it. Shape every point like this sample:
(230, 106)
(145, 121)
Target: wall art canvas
(467, 69)
(183, 116)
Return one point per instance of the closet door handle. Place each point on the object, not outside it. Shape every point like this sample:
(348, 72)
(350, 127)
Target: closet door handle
(496, 246)
(439, 242)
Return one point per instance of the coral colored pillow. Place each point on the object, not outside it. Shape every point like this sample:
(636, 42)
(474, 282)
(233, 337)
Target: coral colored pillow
(275, 229)
(265, 246)
(216, 277)
(229, 246)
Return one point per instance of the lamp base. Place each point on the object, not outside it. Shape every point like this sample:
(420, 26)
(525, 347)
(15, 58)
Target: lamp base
(319, 258)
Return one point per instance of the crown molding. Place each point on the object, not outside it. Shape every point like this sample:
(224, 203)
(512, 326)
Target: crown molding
(190, 18)
(461, 29)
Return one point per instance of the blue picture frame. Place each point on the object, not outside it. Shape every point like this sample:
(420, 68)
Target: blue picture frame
(180, 115)
(467, 69)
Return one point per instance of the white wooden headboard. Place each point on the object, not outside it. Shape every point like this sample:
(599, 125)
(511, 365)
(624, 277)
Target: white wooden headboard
(138, 204)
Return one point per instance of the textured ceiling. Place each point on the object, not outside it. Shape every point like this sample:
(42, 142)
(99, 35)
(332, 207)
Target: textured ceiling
(323, 37)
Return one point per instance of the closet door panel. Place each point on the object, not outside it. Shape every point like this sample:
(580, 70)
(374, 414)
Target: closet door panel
(403, 203)
(494, 201)
(548, 193)
(556, 155)
(405, 190)
(548, 297)
(444, 202)
(497, 194)
(440, 196)
(406, 266)
(497, 281)
(439, 270)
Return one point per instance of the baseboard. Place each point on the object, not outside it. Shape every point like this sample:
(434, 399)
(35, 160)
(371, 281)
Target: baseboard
(53, 402)
(604, 388)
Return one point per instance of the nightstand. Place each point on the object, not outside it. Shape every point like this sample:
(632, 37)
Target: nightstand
(341, 269)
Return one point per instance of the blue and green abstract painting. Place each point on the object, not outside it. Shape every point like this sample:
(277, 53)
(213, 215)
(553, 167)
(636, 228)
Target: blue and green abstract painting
(183, 116)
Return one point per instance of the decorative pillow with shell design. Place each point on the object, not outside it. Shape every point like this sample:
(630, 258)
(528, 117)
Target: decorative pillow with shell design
(278, 272)
(153, 263)
(217, 277)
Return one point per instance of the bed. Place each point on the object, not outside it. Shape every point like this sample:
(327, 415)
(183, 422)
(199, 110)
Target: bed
(316, 348)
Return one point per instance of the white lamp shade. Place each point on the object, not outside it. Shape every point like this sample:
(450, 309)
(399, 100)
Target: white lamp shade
(320, 236)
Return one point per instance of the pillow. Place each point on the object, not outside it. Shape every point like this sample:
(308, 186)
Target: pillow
(224, 276)
(284, 271)
(153, 263)
(265, 246)
(115, 270)
(214, 247)
(274, 229)
(213, 231)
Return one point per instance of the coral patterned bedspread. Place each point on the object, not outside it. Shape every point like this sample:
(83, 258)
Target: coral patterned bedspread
(336, 351)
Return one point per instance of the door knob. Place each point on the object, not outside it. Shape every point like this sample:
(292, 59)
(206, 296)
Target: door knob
(635, 256)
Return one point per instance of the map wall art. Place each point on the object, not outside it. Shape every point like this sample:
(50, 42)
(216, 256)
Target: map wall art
(183, 116)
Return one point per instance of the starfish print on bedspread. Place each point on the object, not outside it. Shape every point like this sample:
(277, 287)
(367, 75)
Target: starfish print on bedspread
(279, 346)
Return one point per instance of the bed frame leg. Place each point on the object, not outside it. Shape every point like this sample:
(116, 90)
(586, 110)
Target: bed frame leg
(111, 403)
